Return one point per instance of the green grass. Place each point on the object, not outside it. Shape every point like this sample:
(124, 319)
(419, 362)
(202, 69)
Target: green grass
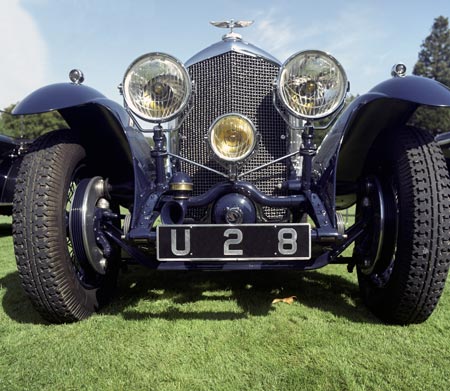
(207, 331)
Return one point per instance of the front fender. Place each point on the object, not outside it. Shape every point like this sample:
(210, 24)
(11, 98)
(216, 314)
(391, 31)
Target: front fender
(114, 147)
(389, 105)
(56, 97)
(415, 89)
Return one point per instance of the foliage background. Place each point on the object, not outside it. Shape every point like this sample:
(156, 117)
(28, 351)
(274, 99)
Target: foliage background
(29, 126)
(434, 62)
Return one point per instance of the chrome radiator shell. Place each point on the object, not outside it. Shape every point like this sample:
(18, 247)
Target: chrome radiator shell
(235, 83)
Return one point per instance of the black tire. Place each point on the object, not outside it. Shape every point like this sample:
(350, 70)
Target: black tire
(60, 288)
(402, 275)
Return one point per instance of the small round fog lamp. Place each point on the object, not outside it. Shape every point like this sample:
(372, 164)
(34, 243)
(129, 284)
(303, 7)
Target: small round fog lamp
(232, 137)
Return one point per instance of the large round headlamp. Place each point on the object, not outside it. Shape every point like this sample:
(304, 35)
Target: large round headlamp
(157, 87)
(232, 137)
(312, 84)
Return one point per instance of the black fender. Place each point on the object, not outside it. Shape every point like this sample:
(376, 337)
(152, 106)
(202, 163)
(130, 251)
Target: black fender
(115, 148)
(342, 155)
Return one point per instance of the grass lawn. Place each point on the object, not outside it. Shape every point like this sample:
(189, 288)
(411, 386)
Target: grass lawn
(219, 331)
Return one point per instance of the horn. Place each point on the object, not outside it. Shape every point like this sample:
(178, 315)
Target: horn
(172, 212)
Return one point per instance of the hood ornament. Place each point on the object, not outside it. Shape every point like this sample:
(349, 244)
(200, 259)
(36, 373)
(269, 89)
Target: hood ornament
(232, 24)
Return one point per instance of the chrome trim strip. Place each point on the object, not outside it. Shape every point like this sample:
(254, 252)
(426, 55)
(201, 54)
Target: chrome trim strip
(198, 164)
(268, 164)
(442, 138)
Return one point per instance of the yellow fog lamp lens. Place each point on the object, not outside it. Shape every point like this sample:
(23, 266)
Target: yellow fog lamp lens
(232, 137)
(157, 87)
(312, 84)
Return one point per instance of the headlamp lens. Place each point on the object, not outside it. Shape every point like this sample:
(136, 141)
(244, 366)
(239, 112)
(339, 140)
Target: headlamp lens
(157, 87)
(312, 84)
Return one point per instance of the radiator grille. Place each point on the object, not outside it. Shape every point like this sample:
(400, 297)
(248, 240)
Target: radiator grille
(234, 82)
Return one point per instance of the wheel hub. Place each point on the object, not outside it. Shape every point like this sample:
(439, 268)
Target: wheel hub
(90, 195)
(372, 206)
(378, 208)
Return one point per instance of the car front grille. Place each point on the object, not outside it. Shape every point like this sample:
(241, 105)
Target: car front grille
(234, 83)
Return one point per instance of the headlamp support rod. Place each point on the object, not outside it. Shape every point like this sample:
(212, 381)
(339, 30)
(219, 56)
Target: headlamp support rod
(159, 154)
(307, 150)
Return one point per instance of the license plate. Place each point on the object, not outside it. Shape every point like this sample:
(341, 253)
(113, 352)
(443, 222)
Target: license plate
(244, 242)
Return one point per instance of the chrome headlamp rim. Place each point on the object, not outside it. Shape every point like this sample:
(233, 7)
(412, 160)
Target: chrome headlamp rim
(342, 93)
(186, 77)
(238, 160)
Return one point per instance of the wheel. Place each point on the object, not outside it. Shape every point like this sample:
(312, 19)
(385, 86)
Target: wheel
(403, 256)
(62, 287)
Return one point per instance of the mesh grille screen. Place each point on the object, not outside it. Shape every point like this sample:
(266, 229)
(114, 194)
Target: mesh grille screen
(238, 83)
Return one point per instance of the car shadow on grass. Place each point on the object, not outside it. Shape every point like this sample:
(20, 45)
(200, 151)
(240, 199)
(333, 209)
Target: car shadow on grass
(146, 294)
(5, 229)
(15, 302)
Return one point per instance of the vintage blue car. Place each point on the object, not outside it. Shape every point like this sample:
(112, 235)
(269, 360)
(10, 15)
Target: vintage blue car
(231, 179)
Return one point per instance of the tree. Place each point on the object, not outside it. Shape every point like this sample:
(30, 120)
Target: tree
(434, 63)
(29, 126)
